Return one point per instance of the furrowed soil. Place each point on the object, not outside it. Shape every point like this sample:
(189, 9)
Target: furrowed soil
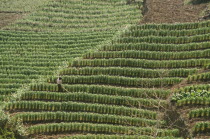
(7, 18)
(171, 11)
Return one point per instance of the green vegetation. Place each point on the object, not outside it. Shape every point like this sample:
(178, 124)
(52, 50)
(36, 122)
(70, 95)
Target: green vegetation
(42, 53)
(21, 5)
(119, 82)
(117, 76)
(80, 16)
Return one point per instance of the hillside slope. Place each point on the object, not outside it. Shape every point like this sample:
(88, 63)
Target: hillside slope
(128, 80)
(62, 31)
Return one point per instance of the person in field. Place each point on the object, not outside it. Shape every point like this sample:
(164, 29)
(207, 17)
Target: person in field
(59, 82)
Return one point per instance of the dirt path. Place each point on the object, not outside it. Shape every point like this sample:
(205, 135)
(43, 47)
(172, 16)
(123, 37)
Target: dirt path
(171, 11)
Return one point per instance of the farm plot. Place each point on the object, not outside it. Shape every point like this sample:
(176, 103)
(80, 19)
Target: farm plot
(124, 78)
(26, 54)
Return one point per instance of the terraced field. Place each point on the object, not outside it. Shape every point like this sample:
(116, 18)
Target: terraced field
(192, 100)
(122, 88)
(120, 80)
(27, 55)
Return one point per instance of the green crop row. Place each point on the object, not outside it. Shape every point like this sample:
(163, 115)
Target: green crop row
(99, 128)
(156, 47)
(141, 63)
(128, 72)
(29, 72)
(102, 136)
(118, 81)
(148, 55)
(194, 88)
(17, 76)
(7, 91)
(200, 113)
(193, 101)
(191, 94)
(177, 33)
(47, 117)
(199, 77)
(95, 98)
(108, 90)
(201, 127)
(81, 107)
(207, 66)
(64, 38)
(164, 40)
(15, 81)
(177, 26)
(74, 16)
(53, 36)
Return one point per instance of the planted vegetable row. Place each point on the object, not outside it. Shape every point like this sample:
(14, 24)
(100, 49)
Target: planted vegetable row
(48, 117)
(79, 107)
(95, 98)
(109, 90)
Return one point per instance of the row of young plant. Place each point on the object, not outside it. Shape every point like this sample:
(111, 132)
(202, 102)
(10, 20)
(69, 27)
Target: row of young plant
(204, 77)
(79, 107)
(10, 85)
(14, 81)
(17, 76)
(32, 64)
(107, 7)
(178, 26)
(53, 14)
(156, 47)
(193, 101)
(177, 33)
(79, 11)
(199, 113)
(108, 90)
(164, 40)
(119, 81)
(29, 60)
(89, 3)
(128, 72)
(48, 117)
(64, 38)
(140, 63)
(201, 127)
(192, 98)
(27, 71)
(191, 94)
(7, 91)
(32, 25)
(81, 21)
(95, 98)
(102, 136)
(20, 35)
(99, 128)
(197, 87)
(148, 55)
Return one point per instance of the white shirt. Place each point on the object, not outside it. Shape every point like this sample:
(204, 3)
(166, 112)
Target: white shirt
(59, 81)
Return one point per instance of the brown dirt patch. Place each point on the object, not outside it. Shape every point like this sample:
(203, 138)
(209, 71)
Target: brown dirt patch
(7, 18)
(171, 11)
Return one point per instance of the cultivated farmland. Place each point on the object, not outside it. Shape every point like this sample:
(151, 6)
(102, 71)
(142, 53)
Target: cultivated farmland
(120, 80)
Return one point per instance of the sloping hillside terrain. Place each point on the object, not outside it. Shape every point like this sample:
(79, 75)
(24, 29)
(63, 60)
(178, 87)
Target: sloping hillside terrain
(63, 31)
(122, 88)
(120, 80)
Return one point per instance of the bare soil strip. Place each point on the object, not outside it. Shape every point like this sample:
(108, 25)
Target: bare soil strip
(171, 11)
(7, 18)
